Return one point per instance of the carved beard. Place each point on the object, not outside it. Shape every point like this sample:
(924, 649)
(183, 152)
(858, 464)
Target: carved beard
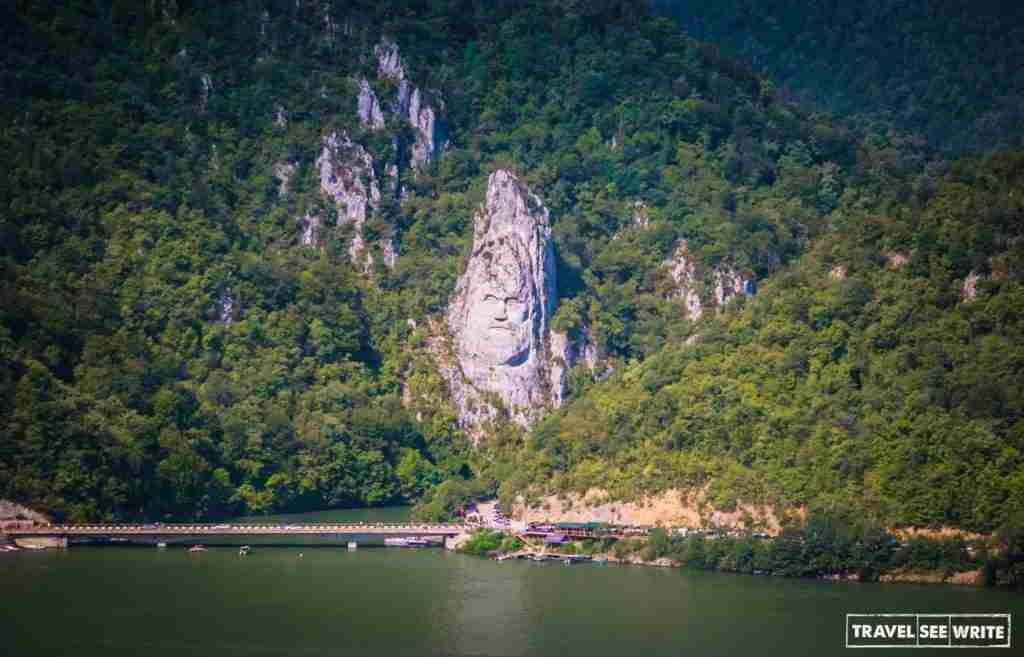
(499, 308)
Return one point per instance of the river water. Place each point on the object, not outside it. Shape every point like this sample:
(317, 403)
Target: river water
(107, 601)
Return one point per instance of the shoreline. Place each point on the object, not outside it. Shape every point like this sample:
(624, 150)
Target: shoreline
(973, 577)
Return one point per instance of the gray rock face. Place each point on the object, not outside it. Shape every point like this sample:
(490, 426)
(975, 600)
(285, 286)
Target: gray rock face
(683, 270)
(226, 308)
(283, 172)
(969, 289)
(347, 178)
(206, 87)
(310, 230)
(390, 255)
(641, 217)
(726, 282)
(389, 60)
(411, 103)
(567, 354)
(498, 317)
(368, 108)
(729, 284)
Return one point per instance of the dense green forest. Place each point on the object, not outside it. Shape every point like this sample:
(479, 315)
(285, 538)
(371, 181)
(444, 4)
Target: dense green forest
(868, 379)
(169, 347)
(951, 71)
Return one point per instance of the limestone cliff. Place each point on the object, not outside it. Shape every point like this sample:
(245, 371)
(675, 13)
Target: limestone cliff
(499, 349)
(368, 107)
(720, 285)
(348, 179)
(412, 104)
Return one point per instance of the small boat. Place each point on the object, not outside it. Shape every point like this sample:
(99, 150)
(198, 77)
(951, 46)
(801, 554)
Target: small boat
(161, 545)
(407, 542)
(352, 545)
(244, 551)
(197, 548)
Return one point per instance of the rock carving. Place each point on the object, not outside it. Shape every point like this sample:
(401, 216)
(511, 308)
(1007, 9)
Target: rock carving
(498, 317)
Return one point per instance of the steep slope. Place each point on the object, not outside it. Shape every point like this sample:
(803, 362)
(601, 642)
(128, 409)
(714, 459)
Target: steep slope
(947, 70)
(230, 227)
(880, 377)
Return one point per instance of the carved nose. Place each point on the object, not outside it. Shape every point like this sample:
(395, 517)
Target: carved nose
(502, 312)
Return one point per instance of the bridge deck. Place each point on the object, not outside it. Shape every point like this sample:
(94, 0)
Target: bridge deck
(376, 529)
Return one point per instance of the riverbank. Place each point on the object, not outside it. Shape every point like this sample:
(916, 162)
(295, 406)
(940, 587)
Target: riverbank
(965, 578)
(814, 552)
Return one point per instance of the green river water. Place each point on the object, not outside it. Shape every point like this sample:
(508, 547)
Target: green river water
(107, 601)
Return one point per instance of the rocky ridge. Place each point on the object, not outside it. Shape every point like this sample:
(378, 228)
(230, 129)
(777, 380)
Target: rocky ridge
(346, 168)
(499, 351)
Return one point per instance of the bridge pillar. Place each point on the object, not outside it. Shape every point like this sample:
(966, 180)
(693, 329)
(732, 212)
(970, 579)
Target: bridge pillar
(455, 542)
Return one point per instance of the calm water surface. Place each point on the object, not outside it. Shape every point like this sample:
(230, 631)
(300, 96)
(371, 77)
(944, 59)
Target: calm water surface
(379, 601)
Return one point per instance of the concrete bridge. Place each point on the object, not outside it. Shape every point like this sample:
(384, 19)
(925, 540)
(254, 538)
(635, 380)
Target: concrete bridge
(59, 535)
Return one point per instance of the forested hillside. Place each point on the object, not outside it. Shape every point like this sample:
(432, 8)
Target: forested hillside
(877, 378)
(951, 71)
(175, 344)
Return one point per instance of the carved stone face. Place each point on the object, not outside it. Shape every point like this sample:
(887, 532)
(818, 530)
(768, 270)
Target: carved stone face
(499, 302)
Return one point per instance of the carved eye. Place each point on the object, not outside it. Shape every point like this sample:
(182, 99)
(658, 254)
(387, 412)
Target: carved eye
(490, 298)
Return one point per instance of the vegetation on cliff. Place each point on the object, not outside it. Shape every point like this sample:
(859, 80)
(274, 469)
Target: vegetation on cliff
(879, 376)
(170, 348)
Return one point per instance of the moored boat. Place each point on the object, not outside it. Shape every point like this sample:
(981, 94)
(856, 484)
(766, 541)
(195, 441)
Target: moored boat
(197, 548)
(407, 542)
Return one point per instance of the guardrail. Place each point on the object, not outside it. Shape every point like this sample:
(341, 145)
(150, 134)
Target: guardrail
(238, 529)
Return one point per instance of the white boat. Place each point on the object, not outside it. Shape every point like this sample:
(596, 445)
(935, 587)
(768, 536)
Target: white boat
(197, 548)
(161, 545)
(352, 545)
(244, 551)
(407, 542)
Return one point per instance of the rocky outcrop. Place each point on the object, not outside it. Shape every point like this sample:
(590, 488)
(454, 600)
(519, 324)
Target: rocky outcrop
(726, 282)
(683, 270)
(390, 254)
(283, 172)
(347, 178)
(500, 351)
(309, 226)
(969, 289)
(206, 87)
(895, 260)
(226, 308)
(412, 104)
(641, 217)
(729, 284)
(567, 353)
(368, 107)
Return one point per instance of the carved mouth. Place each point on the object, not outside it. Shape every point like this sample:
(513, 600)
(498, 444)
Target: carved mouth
(499, 327)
